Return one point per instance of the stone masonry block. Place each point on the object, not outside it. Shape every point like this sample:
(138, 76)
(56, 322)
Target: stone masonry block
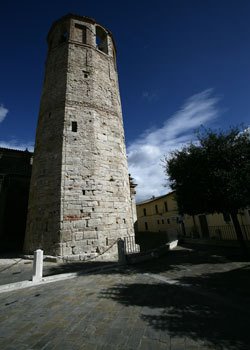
(79, 236)
(90, 235)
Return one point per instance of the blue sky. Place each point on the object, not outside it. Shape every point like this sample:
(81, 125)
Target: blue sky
(180, 63)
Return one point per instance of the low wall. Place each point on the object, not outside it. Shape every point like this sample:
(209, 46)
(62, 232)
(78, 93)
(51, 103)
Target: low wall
(152, 240)
(151, 254)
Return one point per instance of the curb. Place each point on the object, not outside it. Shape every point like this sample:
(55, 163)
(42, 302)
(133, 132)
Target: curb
(54, 278)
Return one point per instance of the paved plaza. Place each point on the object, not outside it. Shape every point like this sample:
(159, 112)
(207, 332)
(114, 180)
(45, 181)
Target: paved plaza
(192, 298)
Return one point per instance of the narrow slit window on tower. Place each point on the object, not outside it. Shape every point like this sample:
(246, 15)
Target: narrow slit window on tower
(114, 57)
(101, 40)
(74, 126)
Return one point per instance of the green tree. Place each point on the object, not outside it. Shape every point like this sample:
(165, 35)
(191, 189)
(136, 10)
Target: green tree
(213, 175)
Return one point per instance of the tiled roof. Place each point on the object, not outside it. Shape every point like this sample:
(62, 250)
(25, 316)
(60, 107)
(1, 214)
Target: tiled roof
(152, 199)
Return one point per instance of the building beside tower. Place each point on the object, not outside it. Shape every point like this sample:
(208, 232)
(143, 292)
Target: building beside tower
(15, 172)
(80, 201)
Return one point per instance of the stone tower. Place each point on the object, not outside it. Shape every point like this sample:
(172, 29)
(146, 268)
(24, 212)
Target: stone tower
(80, 201)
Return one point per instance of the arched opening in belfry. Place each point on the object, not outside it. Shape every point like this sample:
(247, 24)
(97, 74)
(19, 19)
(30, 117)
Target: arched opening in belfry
(101, 40)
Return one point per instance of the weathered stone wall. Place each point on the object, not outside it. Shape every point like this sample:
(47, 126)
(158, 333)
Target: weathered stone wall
(43, 223)
(80, 196)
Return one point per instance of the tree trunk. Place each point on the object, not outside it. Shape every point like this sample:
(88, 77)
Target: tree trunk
(196, 232)
(239, 234)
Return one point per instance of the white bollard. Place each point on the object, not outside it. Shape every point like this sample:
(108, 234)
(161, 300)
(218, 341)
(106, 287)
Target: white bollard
(38, 266)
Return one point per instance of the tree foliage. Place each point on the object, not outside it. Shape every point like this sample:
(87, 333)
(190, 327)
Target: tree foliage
(212, 175)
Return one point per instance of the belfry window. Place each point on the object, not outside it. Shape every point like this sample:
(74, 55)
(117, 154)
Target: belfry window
(101, 40)
(81, 33)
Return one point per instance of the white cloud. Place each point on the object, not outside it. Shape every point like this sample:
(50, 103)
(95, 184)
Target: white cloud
(3, 112)
(145, 154)
(19, 145)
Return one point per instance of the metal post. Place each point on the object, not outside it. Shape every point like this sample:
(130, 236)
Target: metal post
(121, 251)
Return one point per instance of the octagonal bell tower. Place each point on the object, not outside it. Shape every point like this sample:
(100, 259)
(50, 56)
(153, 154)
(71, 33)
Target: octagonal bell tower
(80, 200)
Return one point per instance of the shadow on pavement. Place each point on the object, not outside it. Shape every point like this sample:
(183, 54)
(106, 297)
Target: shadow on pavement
(80, 267)
(232, 253)
(232, 285)
(211, 307)
(182, 313)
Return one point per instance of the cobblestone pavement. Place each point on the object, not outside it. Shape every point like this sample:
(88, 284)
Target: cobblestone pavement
(174, 303)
